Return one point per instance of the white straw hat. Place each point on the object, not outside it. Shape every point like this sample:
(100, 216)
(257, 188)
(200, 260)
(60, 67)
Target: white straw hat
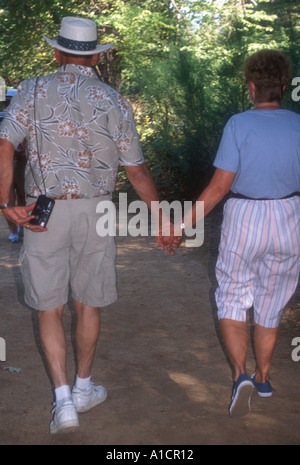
(78, 36)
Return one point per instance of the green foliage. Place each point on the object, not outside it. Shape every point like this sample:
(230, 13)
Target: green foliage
(179, 63)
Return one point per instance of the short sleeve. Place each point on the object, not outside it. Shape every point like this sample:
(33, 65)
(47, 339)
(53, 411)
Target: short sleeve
(228, 155)
(124, 133)
(16, 123)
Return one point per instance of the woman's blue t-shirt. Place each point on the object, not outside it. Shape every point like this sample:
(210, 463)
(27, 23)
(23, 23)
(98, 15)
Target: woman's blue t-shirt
(263, 148)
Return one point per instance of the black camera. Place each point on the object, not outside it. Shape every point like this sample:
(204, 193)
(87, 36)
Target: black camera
(42, 210)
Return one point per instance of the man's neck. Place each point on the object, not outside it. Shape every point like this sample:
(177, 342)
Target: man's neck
(65, 59)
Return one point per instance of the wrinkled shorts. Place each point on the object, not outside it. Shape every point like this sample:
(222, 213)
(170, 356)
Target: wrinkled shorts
(259, 259)
(70, 255)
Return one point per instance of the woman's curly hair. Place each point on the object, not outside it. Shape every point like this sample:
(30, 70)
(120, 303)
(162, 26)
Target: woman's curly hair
(270, 71)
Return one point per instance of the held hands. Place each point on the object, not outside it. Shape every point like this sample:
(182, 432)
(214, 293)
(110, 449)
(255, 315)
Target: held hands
(21, 217)
(169, 238)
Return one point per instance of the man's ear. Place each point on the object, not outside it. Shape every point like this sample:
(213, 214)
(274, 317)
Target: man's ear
(57, 56)
(95, 59)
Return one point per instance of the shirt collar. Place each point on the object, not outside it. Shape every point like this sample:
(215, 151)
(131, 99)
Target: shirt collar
(77, 69)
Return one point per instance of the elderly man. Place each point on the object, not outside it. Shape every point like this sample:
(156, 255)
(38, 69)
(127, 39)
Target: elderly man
(77, 131)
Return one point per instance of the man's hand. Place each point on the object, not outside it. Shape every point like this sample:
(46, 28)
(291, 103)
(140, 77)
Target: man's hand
(169, 243)
(18, 215)
(142, 181)
(21, 216)
(167, 239)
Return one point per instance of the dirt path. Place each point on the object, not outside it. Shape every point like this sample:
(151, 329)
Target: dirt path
(159, 356)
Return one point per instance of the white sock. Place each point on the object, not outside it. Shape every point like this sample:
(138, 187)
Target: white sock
(62, 393)
(83, 383)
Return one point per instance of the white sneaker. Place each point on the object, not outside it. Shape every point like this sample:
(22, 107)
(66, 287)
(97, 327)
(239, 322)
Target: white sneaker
(85, 400)
(65, 418)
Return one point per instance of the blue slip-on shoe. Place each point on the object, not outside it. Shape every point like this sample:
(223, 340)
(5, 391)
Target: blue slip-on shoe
(263, 389)
(241, 397)
(14, 237)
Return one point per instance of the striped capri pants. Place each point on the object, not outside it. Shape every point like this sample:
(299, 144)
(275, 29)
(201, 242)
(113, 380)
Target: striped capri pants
(259, 259)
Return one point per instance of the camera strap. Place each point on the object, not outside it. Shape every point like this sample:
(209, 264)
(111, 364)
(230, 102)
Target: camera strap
(37, 142)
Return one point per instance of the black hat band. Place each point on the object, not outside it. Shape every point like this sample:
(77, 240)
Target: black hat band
(77, 45)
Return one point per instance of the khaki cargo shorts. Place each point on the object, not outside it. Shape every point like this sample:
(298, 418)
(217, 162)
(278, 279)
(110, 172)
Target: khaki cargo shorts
(69, 256)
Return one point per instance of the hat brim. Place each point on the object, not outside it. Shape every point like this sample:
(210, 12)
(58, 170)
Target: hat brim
(98, 49)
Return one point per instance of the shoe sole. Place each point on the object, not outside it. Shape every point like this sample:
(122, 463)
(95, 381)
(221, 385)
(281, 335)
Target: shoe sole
(240, 405)
(264, 394)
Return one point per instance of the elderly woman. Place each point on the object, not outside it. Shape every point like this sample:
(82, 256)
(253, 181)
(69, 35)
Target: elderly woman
(259, 254)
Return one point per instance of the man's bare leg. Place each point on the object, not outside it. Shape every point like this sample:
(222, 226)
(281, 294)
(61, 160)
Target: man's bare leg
(53, 340)
(87, 334)
(85, 395)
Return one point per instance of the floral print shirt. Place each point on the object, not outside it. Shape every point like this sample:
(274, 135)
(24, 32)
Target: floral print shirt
(80, 128)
